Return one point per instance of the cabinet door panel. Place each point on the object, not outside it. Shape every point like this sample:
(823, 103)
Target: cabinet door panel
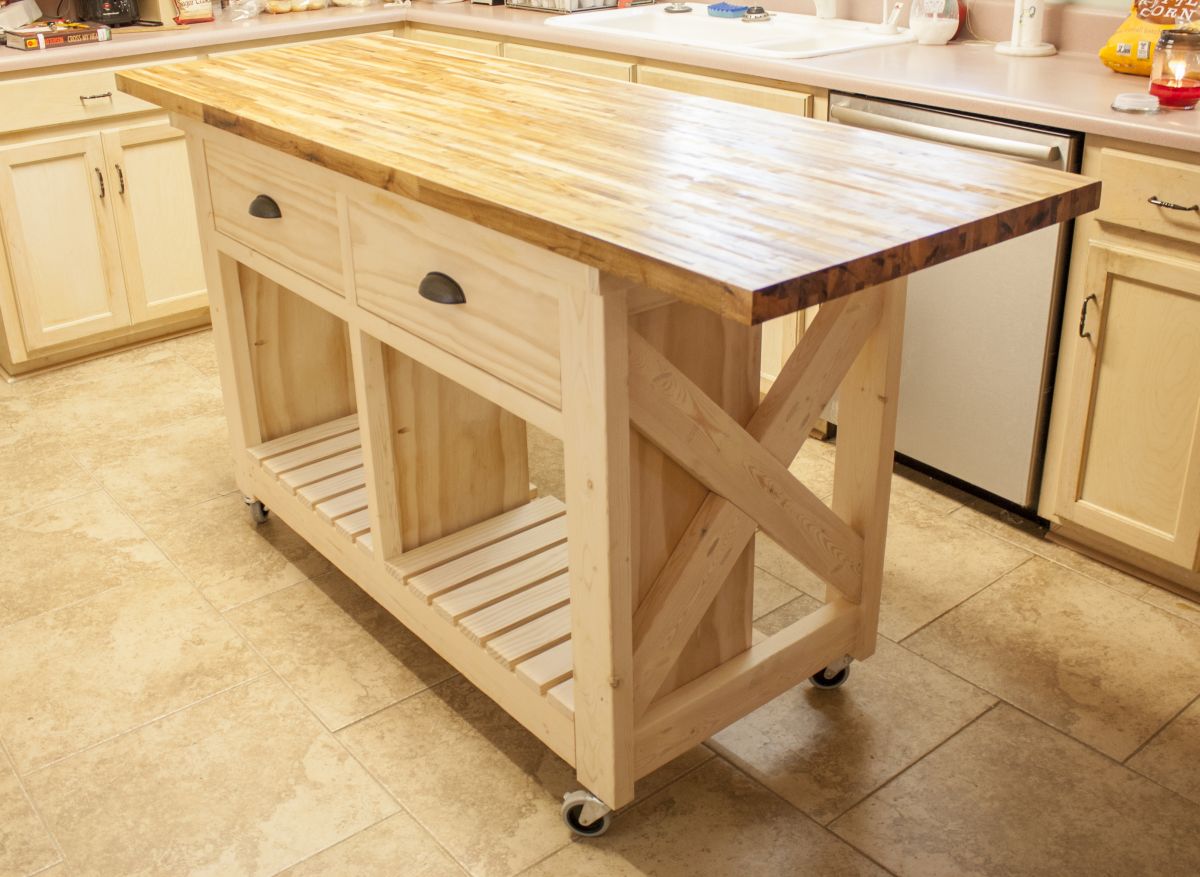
(156, 221)
(1133, 471)
(58, 231)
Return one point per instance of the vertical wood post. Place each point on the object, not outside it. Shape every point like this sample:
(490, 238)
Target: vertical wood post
(866, 442)
(595, 393)
(375, 428)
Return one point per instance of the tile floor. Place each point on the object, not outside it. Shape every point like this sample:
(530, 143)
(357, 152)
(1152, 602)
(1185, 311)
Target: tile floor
(181, 693)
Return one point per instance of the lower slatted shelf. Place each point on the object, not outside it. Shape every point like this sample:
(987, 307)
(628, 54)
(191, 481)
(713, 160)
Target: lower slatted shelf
(503, 585)
(323, 468)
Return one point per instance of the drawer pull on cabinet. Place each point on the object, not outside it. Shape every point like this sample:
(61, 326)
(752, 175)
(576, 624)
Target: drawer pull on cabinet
(84, 98)
(1083, 316)
(120, 180)
(100, 179)
(437, 287)
(264, 207)
(1158, 202)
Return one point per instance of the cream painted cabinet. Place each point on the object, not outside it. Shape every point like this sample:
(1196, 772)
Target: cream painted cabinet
(578, 62)
(1122, 476)
(60, 240)
(155, 220)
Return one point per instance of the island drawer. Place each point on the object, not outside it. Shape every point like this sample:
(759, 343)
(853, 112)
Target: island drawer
(508, 322)
(1131, 181)
(303, 236)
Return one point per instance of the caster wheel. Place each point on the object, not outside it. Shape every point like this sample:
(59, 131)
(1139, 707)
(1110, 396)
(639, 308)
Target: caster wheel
(580, 807)
(836, 680)
(258, 512)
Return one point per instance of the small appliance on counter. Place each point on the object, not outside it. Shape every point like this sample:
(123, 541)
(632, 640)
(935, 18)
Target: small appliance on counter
(18, 14)
(114, 13)
(1028, 21)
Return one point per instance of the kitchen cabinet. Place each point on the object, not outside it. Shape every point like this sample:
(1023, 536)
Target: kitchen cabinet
(567, 60)
(453, 40)
(1122, 474)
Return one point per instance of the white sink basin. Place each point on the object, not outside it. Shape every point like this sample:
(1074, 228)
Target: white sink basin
(786, 35)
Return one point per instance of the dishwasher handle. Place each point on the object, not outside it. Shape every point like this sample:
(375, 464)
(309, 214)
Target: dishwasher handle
(1011, 148)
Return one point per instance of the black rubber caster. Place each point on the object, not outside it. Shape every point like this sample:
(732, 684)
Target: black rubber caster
(836, 680)
(258, 512)
(572, 813)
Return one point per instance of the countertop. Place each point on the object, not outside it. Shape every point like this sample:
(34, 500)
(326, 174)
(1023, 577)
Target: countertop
(675, 212)
(1070, 90)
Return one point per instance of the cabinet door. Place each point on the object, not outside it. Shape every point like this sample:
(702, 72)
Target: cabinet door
(1131, 467)
(151, 191)
(56, 217)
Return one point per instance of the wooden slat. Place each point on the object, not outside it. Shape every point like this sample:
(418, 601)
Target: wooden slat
(322, 470)
(822, 211)
(296, 440)
(354, 525)
(495, 586)
(374, 411)
(331, 487)
(473, 538)
(312, 453)
(562, 696)
(343, 505)
(482, 561)
(535, 636)
(517, 609)
(545, 670)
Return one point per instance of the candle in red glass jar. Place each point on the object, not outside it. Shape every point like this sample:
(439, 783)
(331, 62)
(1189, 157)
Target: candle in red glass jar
(1178, 94)
(1175, 79)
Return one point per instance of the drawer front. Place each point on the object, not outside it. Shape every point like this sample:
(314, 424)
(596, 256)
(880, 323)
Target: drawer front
(1130, 181)
(508, 324)
(304, 237)
(62, 100)
(454, 41)
(573, 61)
(751, 94)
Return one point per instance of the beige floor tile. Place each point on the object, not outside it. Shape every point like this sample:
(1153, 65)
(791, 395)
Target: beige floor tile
(341, 652)
(933, 563)
(79, 675)
(36, 470)
(826, 750)
(1010, 796)
(1173, 603)
(75, 548)
(794, 610)
(395, 847)
(99, 369)
(712, 823)
(913, 486)
(196, 349)
(245, 783)
(92, 417)
(770, 592)
(25, 846)
(545, 463)
(486, 788)
(814, 467)
(1173, 757)
(180, 465)
(1021, 532)
(1103, 667)
(230, 559)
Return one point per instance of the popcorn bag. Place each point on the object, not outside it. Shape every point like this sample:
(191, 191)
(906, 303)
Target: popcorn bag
(1131, 48)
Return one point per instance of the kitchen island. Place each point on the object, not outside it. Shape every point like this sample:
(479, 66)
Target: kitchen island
(413, 252)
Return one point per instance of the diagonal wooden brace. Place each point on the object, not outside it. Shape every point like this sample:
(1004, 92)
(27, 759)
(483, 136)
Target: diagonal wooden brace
(702, 560)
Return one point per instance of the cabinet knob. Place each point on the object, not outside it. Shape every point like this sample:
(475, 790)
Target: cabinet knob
(265, 207)
(440, 288)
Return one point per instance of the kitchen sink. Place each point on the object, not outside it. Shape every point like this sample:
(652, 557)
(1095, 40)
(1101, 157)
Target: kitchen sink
(784, 35)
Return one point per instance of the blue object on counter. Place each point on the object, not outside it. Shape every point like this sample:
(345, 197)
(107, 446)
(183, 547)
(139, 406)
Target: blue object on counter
(726, 10)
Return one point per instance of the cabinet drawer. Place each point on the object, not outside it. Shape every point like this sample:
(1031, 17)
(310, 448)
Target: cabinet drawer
(508, 324)
(454, 41)
(304, 237)
(574, 61)
(751, 94)
(61, 100)
(1130, 181)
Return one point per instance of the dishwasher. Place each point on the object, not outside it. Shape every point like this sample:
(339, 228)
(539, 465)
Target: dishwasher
(981, 335)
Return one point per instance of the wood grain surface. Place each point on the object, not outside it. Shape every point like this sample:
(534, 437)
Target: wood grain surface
(748, 212)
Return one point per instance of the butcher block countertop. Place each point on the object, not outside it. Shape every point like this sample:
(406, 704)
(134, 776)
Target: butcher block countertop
(749, 213)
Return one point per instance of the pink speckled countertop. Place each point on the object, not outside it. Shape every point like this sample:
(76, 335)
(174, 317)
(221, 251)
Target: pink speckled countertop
(1071, 90)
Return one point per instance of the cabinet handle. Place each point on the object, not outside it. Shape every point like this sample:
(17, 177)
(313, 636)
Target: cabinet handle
(120, 180)
(84, 98)
(100, 178)
(437, 287)
(1159, 202)
(1083, 315)
(265, 207)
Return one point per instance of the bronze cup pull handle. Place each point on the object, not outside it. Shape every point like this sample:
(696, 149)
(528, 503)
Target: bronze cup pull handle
(438, 287)
(265, 207)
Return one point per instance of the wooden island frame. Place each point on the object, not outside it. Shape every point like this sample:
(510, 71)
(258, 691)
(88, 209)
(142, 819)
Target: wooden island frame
(613, 306)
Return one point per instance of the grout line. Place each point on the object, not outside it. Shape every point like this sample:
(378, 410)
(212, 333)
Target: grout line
(239, 684)
(962, 602)
(1161, 728)
(7, 757)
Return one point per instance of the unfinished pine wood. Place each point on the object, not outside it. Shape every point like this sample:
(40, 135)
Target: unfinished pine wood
(303, 457)
(502, 583)
(345, 504)
(354, 525)
(335, 485)
(562, 696)
(325, 478)
(481, 561)
(383, 493)
(295, 440)
(533, 637)
(821, 211)
(549, 668)
(502, 617)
